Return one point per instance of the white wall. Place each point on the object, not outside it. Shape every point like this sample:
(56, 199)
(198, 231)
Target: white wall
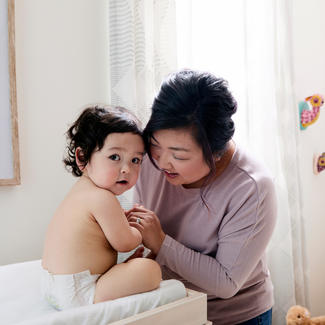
(62, 51)
(309, 68)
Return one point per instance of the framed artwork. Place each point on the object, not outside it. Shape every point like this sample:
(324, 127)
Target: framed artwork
(9, 150)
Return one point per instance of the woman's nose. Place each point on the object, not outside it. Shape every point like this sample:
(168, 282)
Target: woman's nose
(163, 161)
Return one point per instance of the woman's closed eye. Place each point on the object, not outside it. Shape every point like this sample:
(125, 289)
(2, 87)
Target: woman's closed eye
(114, 157)
(179, 158)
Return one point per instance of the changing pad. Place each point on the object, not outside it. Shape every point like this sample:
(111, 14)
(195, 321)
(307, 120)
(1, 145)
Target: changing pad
(21, 302)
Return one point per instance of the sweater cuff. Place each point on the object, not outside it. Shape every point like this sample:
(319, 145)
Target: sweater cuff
(165, 246)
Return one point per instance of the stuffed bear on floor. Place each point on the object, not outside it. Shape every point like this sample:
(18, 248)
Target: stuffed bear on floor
(298, 315)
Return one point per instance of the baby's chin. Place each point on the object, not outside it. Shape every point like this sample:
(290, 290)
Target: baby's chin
(119, 190)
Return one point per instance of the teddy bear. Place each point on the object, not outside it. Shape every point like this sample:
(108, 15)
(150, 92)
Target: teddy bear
(298, 315)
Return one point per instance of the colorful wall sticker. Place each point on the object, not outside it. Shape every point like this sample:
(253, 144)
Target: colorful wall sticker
(309, 110)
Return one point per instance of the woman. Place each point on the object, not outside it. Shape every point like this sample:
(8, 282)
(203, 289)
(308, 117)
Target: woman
(206, 209)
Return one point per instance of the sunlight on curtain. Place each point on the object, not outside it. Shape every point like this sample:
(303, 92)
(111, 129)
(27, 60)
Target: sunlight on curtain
(211, 37)
(248, 44)
(142, 43)
(273, 135)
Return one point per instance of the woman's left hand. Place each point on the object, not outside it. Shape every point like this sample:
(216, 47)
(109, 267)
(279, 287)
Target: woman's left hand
(149, 226)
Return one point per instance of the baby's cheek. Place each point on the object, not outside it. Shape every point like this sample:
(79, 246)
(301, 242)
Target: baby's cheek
(134, 179)
(109, 178)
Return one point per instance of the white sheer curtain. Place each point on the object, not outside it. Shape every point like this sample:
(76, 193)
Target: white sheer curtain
(248, 43)
(142, 43)
(272, 133)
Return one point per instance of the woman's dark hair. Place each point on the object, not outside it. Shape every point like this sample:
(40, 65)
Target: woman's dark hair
(90, 130)
(200, 102)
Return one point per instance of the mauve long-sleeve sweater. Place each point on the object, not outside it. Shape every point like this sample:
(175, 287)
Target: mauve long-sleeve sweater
(219, 250)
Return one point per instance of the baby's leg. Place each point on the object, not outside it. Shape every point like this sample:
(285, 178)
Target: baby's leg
(125, 279)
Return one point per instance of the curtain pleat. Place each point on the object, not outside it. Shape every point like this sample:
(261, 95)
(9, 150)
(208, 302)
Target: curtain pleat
(272, 134)
(142, 51)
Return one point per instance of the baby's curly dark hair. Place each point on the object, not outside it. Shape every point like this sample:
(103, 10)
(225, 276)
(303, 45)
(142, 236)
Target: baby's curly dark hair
(90, 130)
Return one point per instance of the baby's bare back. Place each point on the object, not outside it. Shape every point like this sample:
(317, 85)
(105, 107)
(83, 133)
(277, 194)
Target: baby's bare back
(75, 242)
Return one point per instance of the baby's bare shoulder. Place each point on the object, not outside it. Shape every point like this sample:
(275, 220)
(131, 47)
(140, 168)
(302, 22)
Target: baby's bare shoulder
(93, 199)
(89, 192)
(99, 200)
(99, 194)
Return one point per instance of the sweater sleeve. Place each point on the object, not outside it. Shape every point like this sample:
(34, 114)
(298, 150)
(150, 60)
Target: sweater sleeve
(242, 240)
(201, 270)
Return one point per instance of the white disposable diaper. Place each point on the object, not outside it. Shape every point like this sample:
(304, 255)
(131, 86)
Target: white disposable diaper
(64, 291)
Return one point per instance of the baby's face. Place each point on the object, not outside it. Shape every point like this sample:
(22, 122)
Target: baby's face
(116, 166)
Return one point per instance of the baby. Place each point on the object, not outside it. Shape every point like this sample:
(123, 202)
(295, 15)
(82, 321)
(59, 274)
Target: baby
(105, 151)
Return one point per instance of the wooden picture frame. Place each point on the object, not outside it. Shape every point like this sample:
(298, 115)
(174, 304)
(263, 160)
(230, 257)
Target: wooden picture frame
(9, 147)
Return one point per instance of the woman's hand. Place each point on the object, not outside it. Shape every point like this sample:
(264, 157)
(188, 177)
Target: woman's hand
(149, 226)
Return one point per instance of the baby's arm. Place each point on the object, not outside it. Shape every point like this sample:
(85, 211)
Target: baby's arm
(110, 216)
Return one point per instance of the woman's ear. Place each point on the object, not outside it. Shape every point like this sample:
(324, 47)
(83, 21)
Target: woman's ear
(80, 158)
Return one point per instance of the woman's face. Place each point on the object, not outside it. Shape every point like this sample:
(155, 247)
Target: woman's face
(179, 156)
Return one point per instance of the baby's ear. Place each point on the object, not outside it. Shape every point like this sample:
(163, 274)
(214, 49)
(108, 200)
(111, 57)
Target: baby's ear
(80, 159)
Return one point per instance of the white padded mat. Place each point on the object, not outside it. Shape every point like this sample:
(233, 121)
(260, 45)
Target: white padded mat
(21, 303)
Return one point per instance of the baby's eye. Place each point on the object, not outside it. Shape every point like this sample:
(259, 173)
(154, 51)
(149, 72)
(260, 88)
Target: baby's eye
(136, 160)
(114, 157)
